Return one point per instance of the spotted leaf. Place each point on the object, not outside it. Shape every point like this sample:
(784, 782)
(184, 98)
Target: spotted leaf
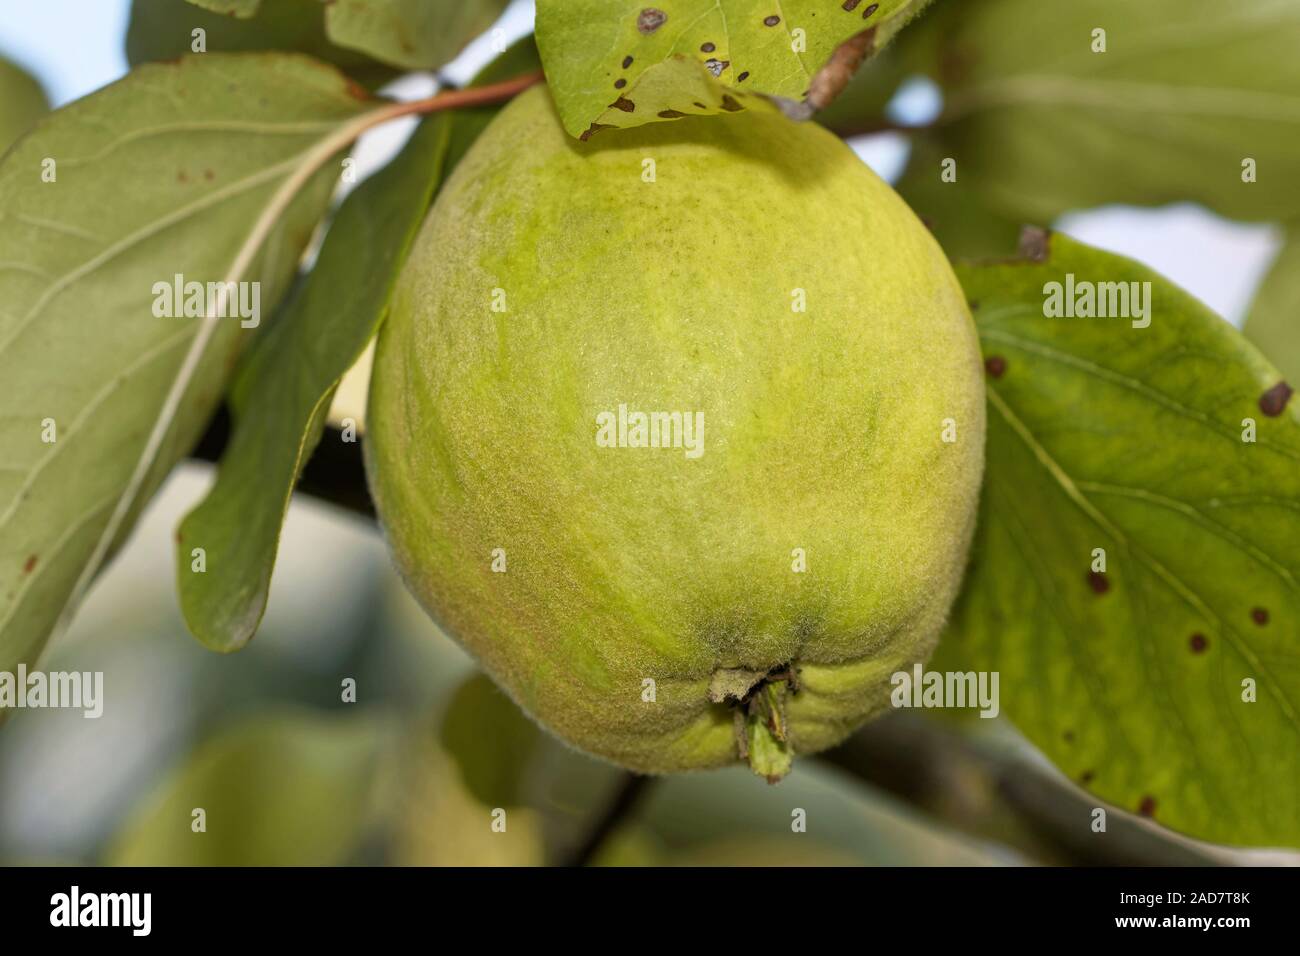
(1135, 578)
(622, 64)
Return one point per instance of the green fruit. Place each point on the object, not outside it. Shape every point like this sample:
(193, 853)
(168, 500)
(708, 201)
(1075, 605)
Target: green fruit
(557, 280)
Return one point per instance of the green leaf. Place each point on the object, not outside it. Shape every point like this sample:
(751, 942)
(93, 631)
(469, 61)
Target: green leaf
(235, 8)
(414, 34)
(622, 64)
(283, 390)
(958, 214)
(22, 103)
(216, 168)
(1184, 93)
(163, 30)
(519, 59)
(491, 740)
(284, 790)
(1102, 435)
(1274, 320)
(440, 821)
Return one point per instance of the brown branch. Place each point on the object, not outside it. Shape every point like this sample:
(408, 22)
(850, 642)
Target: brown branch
(629, 794)
(830, 81)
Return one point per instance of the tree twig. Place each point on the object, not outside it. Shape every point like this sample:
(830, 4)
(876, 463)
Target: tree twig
(625, 800)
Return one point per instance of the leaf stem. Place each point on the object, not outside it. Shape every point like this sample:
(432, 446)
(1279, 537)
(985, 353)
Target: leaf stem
(471, 96)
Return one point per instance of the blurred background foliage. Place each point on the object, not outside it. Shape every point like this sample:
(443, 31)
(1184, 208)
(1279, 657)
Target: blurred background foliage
(286, 772)
(430, 755)
(431, 759)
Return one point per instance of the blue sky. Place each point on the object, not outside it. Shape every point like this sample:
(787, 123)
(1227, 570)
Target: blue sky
(73, 46)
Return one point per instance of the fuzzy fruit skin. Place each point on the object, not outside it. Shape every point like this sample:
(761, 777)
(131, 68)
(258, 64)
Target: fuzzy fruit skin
(822, 428)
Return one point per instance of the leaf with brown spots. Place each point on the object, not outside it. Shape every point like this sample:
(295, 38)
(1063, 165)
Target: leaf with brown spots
(83, 340)
(1275, 399)
(1102, 435)
(681, 57)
